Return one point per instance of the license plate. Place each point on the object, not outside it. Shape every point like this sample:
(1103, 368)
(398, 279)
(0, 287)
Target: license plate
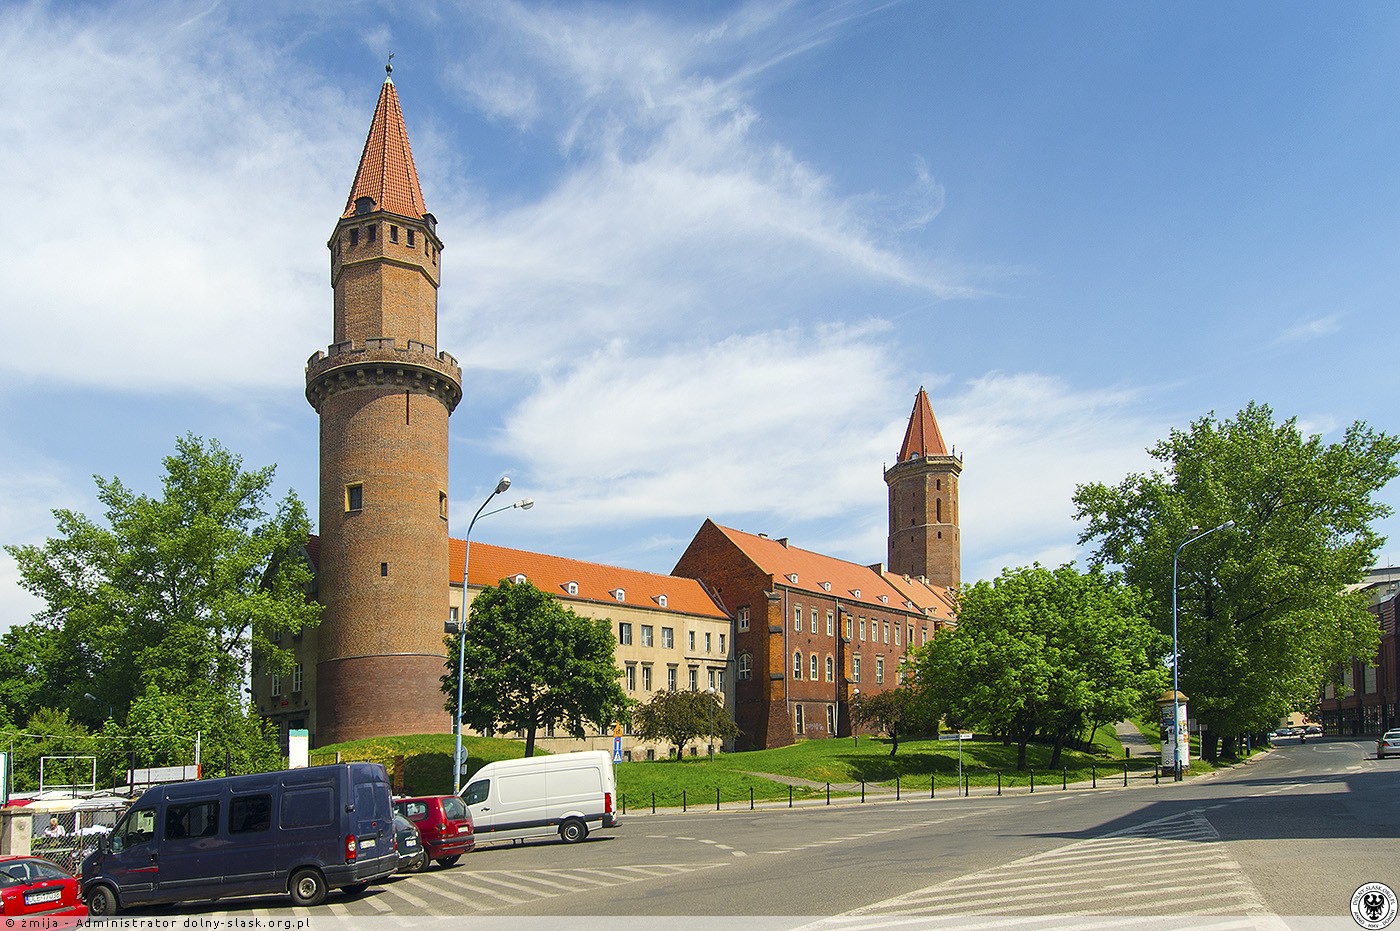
(410, 843)
(39, 898)
(367, 843)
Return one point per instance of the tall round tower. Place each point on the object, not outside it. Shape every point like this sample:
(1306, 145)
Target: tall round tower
(384, 393)
(924, 538)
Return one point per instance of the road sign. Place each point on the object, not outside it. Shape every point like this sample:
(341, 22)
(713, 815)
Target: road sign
(954, 736)
(617, 749)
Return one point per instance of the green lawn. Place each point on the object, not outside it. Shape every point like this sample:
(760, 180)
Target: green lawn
(844, 762)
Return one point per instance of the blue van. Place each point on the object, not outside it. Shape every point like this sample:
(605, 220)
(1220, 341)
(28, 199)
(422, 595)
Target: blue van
(299, 831)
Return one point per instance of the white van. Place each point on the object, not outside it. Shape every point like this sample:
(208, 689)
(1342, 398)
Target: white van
(566, 793)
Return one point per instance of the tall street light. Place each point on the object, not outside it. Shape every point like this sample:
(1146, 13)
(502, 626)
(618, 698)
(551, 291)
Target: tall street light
(524, 504)
(1176, 653)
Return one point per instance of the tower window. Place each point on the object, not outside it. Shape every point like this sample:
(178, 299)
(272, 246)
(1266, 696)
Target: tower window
(363, 205)
(393, 233)
(383, 569)
(442, 505)
(938, 484)
(410, 237)
(355, 497)
(355, 237)
(369, 232)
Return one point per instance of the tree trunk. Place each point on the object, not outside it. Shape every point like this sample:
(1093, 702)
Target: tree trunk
(1210, 743)
(530, 741)
(1021, 753)
(894, 740)
(1055, 752)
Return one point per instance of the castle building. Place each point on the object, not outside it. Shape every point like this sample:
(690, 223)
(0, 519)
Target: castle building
(384, 393)
(813, 631)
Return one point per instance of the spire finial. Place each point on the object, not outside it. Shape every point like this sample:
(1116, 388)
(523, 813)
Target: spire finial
(389, 69)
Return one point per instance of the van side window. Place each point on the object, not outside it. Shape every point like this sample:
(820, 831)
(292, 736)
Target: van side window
(139, 827)
(453, 809)
(307, 808)
(249, 813)
(192, 819)
(413, 811)
(477, 792)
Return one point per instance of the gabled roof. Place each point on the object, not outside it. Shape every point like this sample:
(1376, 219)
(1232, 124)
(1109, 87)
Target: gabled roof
(387, 173)
(850, 582)
(596, 582)
(922, 438)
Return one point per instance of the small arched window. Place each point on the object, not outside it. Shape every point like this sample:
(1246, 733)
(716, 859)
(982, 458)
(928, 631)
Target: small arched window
(619, 594)
(745, 667)
(571, 588)
(813, 668)
(797, 665)
(830, 669)
(519, 578)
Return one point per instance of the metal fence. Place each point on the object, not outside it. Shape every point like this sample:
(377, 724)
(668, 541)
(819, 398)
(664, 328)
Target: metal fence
(65, 837)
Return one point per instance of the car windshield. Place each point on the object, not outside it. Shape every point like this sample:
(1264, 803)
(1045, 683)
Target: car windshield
(453, 809)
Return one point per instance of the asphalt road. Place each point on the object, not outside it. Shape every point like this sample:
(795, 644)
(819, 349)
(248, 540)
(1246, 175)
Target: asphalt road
(1293, 833)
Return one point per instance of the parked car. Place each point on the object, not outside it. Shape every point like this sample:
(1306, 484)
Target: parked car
(1313, 729)
(32, 887)
(413, 857)
(562, 794)
(444, 825)
(1389, 743)
(300, 831)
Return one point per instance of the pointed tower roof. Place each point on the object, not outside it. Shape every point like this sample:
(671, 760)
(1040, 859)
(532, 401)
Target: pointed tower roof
(387, 173)
(923, 438)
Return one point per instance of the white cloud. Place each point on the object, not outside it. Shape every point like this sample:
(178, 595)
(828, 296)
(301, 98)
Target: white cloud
(1308, 330)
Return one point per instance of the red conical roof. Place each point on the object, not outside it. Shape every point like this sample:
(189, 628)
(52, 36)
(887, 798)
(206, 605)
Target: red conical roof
(387, 173)
(923, 438)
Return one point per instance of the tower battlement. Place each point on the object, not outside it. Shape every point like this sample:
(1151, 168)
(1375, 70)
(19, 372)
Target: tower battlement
(380, 361)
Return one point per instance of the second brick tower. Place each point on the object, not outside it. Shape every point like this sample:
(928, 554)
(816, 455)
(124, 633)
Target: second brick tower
(384, 393)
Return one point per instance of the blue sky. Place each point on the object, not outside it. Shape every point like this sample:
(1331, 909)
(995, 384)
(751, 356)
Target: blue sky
(700, 257)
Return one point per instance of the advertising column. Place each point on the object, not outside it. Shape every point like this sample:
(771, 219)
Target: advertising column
(1176, 738)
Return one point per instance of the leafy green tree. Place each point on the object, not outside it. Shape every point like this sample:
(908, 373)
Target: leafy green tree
(49, 732)
(1043, 653)
(678, 717)
(1263, 609)
(531, 662)
(892, 711)
(177, 591)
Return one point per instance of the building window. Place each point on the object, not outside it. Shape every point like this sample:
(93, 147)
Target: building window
(831, 719)
(298, 678)
(862, 628)
(798, 719)
(797, 618)
(886, 626)
(370, 231)
(797, 665)
(896, 635)
(923, 635)
(830, 623)
(719, 681)
(879, 670)
(722, 650)
(668, 638)
(393, 233)
(814, 620)
(355, 497)
(661, 600)
(694, 679)
(830, 669)
(671, 678)
(848, 627)
(812, 674)
(712, 680)
(519, 578)
(354, 237)
(619, 594)
(648, 635)
(571, 588)
(442, 505)
(745, 667)
(910, 641)
(384, 569)
(709, 641)
(276, 685)
(452, 616)
(624, 632)
(744, 618)
(631, 677)
(690, 640)
(855, 668)
(646, 677)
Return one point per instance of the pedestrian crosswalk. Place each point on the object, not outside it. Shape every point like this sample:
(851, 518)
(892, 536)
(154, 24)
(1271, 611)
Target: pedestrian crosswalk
(467, 892)
(1174, 866)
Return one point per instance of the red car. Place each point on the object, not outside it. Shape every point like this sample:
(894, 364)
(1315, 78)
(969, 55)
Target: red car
(32, 887)
(444, 824)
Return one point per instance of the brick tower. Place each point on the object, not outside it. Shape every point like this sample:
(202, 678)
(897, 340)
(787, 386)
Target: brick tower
(924, 502)
(384, 394)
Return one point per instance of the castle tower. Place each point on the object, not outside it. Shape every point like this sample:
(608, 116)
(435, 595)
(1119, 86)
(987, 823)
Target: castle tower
(924, 539)
(384, 393)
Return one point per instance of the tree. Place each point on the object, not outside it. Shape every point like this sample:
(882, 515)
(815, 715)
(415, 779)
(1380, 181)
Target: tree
(677, 717)
(1043, 653)
(1263, 609)
(890, 711)
(531, 662)
(176, 592)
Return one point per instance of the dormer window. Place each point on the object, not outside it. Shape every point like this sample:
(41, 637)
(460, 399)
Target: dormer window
(363, 205)
(826, 586)
(792, 577)
(661, 600)
(619, 594)
(855, 592)
(884, 599)
(571, 588)
(519, 578)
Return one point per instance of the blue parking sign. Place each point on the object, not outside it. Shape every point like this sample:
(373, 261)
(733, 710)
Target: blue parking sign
(617, 749)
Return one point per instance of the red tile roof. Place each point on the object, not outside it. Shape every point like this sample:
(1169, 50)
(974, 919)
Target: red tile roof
(596, 582)
(923, 438)
(387, 173)
(848, 581)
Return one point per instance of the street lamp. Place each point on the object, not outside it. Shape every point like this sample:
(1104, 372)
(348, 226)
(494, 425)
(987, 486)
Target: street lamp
(524, 504)
(1176, 653)
(711, 691)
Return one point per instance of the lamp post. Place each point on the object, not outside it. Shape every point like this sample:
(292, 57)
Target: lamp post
(855, 693)
(524, 504)
(1176, 654)
(711, 692)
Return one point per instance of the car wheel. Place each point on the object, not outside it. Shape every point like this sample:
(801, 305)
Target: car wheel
(449, 861)
(308, 887)
(573, 830)
(418, 864)
(102, 902)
